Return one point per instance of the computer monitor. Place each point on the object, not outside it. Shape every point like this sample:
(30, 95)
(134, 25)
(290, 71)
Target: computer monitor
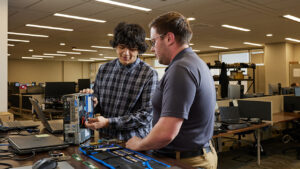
(297, 91)
(58, 89)
(255, 109)
(17, 84)
(291, 103)
(234, 91)
(287, 90)
(83, 84)
(273, 89)
(33, 83)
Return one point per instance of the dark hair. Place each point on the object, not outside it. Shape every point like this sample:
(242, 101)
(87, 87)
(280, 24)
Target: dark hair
(173, 22)
(131, 35)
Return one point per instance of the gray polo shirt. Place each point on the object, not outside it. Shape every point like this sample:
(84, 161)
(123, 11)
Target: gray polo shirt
(187, 91)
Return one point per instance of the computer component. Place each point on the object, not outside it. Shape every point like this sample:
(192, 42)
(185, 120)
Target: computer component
(35, 143)
(55, 126)
(43, 163)
(234, 91)
(78, 108)
(13, 125)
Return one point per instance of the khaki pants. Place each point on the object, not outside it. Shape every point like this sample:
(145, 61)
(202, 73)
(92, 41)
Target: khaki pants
(206, 161)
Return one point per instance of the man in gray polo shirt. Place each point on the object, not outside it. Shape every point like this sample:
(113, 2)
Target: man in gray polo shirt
(184, 100)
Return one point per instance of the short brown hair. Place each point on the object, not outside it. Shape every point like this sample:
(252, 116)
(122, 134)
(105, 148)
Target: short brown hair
(173, 22)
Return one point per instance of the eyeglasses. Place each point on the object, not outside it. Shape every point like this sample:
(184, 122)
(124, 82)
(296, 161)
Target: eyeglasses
(153, 41)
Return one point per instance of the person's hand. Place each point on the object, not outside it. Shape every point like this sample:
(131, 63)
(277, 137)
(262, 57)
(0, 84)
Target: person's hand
(97, 123)
(134, 143)
(90, 91)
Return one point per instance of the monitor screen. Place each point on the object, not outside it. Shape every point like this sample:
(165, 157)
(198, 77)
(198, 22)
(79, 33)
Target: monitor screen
(234, 91)
(17, 84)
(273, 89)
(83, 84)
(255, 109)
(58, 89)
(297, 91)
(291, 103)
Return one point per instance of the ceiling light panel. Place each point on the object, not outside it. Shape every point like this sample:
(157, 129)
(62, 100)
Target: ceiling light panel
(49, 27)
(85, 50)
(42, 56)
(293, 40)
(31, 58)
(54, 54)
(102, 47)
(98, 59)
(66, 52)
(18, 40)
(125, 5)
(27, 34)
(218, 47)
(236, 28)
(253, 44)
(79, 18)
(291, 17)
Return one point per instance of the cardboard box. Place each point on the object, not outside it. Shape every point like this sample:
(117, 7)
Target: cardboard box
(6, 116)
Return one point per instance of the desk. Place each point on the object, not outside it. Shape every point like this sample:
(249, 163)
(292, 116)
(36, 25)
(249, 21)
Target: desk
(256, 127)
(78, 164)
(285, 117)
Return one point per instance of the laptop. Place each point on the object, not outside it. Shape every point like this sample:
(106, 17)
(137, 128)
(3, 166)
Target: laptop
(16, 125)
(35, 143)
(229, 115)
(53, 126)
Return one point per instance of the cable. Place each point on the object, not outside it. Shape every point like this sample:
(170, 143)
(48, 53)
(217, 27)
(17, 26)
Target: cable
(26, 158)
(6, 164)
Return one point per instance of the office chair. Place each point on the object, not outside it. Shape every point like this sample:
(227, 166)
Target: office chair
(292, 134)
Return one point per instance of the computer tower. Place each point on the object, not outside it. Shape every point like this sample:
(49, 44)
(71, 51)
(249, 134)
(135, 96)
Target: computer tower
(78, 108)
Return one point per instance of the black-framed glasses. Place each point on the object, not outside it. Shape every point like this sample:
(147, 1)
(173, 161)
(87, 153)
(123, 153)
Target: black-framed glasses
(153, 41)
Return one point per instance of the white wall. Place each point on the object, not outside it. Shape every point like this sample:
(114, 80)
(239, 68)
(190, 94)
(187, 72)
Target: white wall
(3, 56)
(27, 71)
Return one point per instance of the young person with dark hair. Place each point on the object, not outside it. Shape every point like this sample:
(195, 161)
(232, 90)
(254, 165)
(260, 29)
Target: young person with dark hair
(123, 88)
(184, 101)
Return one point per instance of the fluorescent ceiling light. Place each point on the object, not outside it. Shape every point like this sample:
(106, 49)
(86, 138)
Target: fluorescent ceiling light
(124, 5)
(236, 28)
(49, 27)
(72, 57)
(102, 47)
(10, 45)
(253, 44)
(110, 34)
(72, 53)
(259, 64)
(191, 19)
(30, 58)
(62, 44)
(18, 40)
(79, 17)
(109, 57)
(148, 54)
(8, 54)
(84, 50)
(291, 17)
(100, 54)
(42, 56)
(27, 34)
(97, 59)
(294, 40)
(148, 38)
(269, 35)
(85, 60)
(257, 52)
(191, 44)
(195, 50)
(218, 47)
(30, 50)
(54, 54)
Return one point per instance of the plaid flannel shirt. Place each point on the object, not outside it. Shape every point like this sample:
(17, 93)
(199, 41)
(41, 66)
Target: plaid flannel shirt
(124, 97)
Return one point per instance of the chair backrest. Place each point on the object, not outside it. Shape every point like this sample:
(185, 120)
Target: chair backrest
(39, 112)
